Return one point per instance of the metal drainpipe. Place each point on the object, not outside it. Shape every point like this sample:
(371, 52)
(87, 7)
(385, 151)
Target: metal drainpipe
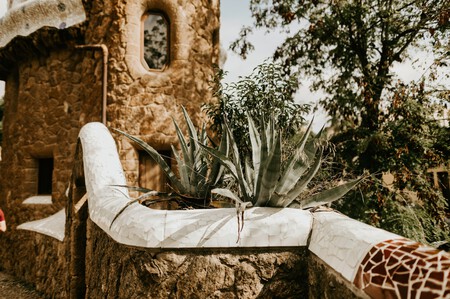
(104, 49)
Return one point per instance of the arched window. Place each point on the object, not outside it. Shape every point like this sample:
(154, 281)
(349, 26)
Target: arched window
(155, 41)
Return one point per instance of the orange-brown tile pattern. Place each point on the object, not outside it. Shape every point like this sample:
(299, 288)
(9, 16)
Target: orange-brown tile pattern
(403, 268)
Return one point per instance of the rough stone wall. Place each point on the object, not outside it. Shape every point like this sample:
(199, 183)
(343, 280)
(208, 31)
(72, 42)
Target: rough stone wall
(118, 271)
(44, 112)
(54, 89)
(325, 282)
(40, 260)
(51, 267)
(50, 95)
(46, 104)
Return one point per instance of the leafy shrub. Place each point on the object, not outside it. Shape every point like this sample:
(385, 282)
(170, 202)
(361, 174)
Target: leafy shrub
(267, 90)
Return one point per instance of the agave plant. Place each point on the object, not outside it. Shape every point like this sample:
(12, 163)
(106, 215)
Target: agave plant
(269, 181)
(197, 172)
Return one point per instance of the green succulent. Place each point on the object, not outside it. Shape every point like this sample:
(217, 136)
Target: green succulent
(198, 173)
(266, 180)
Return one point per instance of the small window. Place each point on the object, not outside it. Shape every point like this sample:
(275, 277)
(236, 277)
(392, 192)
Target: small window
(155, 41)
(151, 175)
(45, 176)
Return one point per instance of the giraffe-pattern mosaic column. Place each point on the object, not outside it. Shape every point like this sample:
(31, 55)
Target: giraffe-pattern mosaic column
(404, 269)
(382, 264)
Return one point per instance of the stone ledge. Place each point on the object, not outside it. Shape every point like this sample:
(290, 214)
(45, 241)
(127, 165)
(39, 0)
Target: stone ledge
(53, 226)
(342, 242)
(38, 200)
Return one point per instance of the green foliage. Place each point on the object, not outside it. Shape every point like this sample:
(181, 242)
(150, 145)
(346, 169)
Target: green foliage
(266, 180)
(404, 141)
(268, 90)
(349, 49)
(197, 173)
(407, 143)
(417, 215)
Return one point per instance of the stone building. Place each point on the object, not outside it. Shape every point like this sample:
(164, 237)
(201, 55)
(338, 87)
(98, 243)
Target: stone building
(128, 64)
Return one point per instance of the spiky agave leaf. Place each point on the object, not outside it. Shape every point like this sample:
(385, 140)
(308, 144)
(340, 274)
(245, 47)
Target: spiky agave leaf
(329, 195)
(270, 174)
(226, 193)
(150, 193)
(192, 148)
(233, 168)
(263, 156)
(303, 182)
(187, 161)
(240, 207)
(134, 188)
(197, 175)
(246, 189)
(249, 172)
(266, 155)
(183, 169)
(191, 128)
(255, 141)
(160, 160)
(217, 169)
(299, 163)
(192, 166)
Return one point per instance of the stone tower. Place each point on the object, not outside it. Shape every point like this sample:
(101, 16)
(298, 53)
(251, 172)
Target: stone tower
(128, 64)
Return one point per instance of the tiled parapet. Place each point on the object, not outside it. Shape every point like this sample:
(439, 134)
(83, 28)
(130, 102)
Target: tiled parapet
(144, 227)
(343, 242)
(52, 226)
(380, 263)
(402, 268)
